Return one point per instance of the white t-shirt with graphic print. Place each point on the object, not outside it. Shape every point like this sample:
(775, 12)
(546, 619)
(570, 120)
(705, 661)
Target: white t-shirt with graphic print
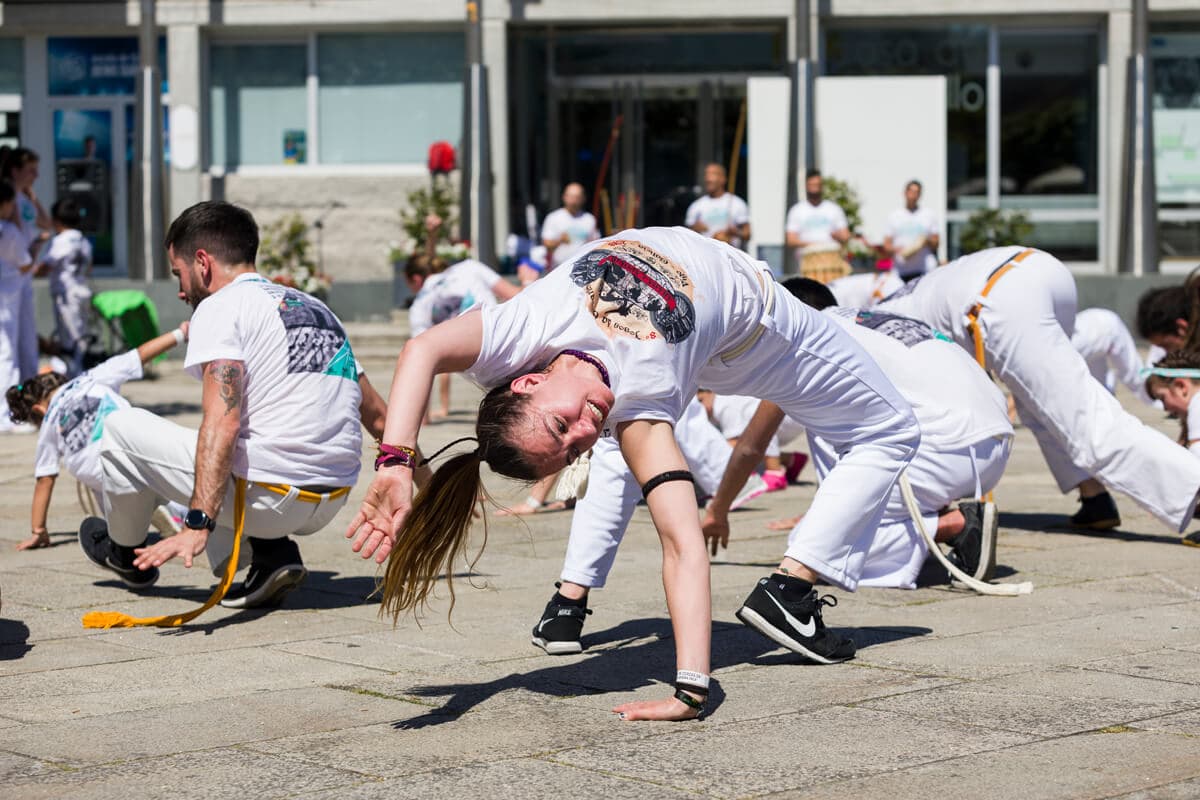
(653, 305)
(300, 406)
(74, 420)
(579, 228)
(459, 288)
(717, 214)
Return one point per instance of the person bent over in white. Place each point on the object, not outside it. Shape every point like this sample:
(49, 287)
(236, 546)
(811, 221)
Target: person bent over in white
(1022, 302)
(280, 410)
(965, 442)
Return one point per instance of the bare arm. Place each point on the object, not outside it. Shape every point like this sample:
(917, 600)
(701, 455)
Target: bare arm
(148, 351)
(503, 290)
(373, 413)
(746, 454)
(452, 346)
(841, 235)
(650, 449)
(43, 488)
(794, 240)
(221, 403)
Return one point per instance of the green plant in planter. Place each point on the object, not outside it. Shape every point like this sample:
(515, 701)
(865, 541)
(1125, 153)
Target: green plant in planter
(846, 198)
(994, 227)
(283, 256)
(437, 198)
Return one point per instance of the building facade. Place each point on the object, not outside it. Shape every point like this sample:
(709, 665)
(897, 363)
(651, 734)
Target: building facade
(327, 108)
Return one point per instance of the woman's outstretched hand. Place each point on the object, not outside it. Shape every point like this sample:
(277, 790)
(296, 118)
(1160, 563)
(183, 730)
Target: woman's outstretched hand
(669, 709)
(384, 509)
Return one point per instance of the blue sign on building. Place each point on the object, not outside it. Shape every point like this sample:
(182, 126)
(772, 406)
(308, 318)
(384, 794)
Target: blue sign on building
(97, 65)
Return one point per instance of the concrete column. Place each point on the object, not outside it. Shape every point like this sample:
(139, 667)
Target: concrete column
(35, 117)
(185, 66)
(495, 58)
(1120, 36)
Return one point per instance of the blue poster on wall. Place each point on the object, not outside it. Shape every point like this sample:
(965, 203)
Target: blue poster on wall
(97, 65)
(83, 148)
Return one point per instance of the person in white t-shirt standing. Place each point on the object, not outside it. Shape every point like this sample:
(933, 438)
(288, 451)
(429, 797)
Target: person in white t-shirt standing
(719, 214)
(815, 222)
(68, 262)
(566, 230)
(280, 410)
(911, 237)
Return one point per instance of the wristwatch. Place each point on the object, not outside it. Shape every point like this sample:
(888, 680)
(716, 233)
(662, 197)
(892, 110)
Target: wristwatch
(197, 520)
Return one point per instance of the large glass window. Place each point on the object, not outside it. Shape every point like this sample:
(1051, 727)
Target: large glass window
(1175, 58)
(958, 52)
(259, 104)
(12, 71)
(385, 98)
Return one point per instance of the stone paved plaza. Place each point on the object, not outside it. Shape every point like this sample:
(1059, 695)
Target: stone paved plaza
(1088, 688)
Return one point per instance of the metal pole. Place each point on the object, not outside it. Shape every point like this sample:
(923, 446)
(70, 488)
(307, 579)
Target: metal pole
(148, 176)
(1139, 206)
(800, 143)
(473, 37)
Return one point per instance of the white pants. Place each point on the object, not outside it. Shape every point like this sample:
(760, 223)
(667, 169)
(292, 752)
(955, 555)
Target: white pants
(72, 309)
(705, 449)
(27, 342)
(1082, 430)
(10, 368)
(938, 478)
(148, 461)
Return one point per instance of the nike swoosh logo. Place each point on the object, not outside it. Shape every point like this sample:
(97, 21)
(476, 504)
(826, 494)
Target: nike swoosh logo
(808, 629)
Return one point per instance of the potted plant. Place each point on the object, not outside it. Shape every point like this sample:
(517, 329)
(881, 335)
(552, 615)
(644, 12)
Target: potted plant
(283, 257)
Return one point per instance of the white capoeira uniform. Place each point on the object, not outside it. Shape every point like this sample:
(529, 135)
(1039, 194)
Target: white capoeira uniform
(300, 422)
(14, 254)
(27, 341)
(965, 435)
(732, 413)
(1027, 319)
(455, 290)
(70, 259)
(666, 311)
(1109, 350)
(865, 290)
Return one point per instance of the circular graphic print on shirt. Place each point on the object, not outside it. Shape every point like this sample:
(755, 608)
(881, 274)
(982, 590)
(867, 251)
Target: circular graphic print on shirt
(634, 290)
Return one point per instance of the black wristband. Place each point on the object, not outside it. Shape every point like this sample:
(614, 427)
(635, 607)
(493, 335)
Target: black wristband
(691, 687)
(688, 700)
(665, 477)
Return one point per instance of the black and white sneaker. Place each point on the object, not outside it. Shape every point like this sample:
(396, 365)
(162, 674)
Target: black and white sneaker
(1097, 513)
(974, 549)
(559, 630)
(275, 571)
(794, 623)
(102, 551)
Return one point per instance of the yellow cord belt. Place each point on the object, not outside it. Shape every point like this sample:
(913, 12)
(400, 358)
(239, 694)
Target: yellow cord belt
(973, 314)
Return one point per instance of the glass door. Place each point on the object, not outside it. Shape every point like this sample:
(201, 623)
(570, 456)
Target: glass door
(92, 158)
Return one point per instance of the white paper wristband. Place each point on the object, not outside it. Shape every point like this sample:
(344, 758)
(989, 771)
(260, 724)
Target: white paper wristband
(691, 678)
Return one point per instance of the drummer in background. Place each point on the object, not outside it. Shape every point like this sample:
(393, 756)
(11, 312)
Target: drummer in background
(817, 229)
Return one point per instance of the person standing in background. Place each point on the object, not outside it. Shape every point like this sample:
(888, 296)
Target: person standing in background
(719, 214)
(911, 238)
(564, 231)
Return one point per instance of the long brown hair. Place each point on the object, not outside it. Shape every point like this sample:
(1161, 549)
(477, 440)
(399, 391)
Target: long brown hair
(435, 533)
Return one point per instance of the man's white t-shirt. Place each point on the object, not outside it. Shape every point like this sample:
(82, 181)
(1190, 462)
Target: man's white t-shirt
(74, 420)
(815, 224)
(69, 257)
(579, 228)
(447, 294)
(906, 228)
(653, 305)
(955, 401)
(300, 405)
(865, 289)
(718, 213)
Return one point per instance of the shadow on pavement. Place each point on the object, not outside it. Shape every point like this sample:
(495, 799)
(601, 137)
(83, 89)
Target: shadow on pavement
(1059, 523)
(14, 639)
(628, 656)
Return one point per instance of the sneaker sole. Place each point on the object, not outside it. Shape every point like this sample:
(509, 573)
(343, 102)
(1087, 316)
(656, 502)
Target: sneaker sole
(752, 619)
(273, 592)
(557, 648)
(987, 544)
(1098, 525)
(1189, 543)
(753, 494)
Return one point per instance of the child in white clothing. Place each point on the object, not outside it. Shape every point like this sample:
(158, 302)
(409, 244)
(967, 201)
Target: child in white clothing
(68, 262)
(14, 261)
(76, 410)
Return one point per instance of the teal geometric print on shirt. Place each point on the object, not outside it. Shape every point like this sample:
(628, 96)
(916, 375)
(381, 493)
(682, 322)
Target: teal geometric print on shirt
(107, 406)
(342, 364)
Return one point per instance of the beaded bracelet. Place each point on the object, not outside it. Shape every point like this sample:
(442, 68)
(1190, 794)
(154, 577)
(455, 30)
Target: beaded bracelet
(396, 456)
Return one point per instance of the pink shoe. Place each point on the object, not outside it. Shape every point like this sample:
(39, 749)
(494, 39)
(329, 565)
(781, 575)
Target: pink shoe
(776, 480)
(797, 466)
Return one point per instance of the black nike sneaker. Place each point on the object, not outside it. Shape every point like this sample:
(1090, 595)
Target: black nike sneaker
(276, 570)
(974, 549)
(788, 611)
(102, 551)
(559, 630)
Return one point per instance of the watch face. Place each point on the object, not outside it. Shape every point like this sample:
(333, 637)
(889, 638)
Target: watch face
(197, 520)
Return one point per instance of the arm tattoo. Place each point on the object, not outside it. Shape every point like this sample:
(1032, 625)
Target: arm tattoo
(228, 376)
